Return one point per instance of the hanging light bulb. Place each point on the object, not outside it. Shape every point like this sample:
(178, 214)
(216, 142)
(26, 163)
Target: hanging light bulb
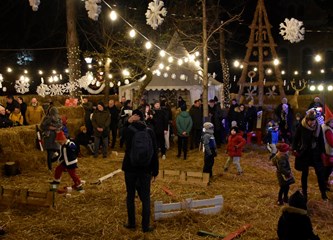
(9, 69)
(40, 72)
(125, 73)
(132, 33)
(111, 84)
(126, 81)
(119, 83)
(162, 53)
(110, 76)
(148, 45)
(113, 15)
(161, 66)
(54, 72)
(180, 62)
(170, 59)
(167, 68)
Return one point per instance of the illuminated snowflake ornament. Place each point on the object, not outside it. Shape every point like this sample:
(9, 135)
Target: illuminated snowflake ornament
(34, 4)
(85, 80)
(56, 89)
(155, 12)
(271, 92)
(69, 87)
(43, 90)
(22, 85)
(93, 9)
(292, 30)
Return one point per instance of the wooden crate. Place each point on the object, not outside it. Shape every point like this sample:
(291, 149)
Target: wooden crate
(185, 177)
(204, 206)
(24, 196)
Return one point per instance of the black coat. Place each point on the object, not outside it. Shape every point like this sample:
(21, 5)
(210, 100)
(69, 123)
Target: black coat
(295, 224)
(127, 166)
(308, 147)
(196, 114)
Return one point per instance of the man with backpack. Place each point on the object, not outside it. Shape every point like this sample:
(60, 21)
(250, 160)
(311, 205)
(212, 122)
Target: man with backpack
(141, 166)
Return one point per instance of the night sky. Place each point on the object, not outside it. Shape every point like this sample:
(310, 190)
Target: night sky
(23, 29)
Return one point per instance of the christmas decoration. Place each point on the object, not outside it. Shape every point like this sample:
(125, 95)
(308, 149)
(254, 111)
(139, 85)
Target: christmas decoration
(56, 89)
(85, 80)
(97, 91)
(69, 87)
(155, 13)
(292, 30)
(22, 85)
(34, 4)
(251, 92)
(93, 9)
(271, 92)
(43, 90)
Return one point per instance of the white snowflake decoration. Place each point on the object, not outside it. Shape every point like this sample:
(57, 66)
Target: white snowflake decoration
(155, 13)
(1, 80)
(34, 4)
(85, 80)
(56, 89)
(292, 30)
(69, 87)
(22, 86)
(271, 92)
(93, 9)
(250, 93)
(43, 90)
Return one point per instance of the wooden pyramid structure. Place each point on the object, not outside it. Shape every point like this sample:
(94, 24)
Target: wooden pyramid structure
(259, 73)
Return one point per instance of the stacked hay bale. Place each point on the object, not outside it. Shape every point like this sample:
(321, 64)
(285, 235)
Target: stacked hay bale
(18, 145)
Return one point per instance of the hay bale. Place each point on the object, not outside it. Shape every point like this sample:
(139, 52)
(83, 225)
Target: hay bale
(71, 112)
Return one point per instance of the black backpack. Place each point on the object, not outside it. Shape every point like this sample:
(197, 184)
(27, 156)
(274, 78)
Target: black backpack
(142, 148)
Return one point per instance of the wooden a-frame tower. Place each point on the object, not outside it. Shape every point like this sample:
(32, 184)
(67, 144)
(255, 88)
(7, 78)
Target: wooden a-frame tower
(260, 54)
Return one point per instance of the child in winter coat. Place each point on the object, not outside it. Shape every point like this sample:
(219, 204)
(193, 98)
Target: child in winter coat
(68, 161)
(209, 144)
(83, 138)
(283, 172)
(234, 149)
(273, 139)
(294, 222)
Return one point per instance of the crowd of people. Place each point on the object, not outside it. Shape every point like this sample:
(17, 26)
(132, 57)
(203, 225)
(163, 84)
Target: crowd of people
(309, 138)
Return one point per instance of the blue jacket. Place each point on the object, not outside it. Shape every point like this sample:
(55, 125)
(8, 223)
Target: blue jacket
(68, 155)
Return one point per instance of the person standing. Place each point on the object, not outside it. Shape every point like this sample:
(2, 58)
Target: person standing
(23, 108)
(283, 172)
(114, 111)
(4, 120)
(328, 155)
(307, 147)
(35, 113)
(184, 125)
(160, 127)
(209, 144)
(50, 125)
(11, 104)
(196, 114)
(234, 148)
(101, 124)
(138, 177)
(68, 161)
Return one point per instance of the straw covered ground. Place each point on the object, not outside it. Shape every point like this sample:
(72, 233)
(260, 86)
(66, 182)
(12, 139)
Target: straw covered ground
(100, 212)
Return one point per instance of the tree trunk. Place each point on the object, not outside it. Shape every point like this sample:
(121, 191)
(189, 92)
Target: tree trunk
(144, 84)
(73, 48)
(225, 71)
(107, 79)
(205, 62)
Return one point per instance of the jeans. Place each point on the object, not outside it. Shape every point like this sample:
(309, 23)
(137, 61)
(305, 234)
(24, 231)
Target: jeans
(236, 161)
(97, 141)
(138, 182)
(208, 164)
(182, 144)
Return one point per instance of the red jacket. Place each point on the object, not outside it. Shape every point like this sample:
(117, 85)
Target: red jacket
(235, 145)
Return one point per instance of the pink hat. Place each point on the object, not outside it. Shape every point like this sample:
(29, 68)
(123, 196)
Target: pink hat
(282, 147)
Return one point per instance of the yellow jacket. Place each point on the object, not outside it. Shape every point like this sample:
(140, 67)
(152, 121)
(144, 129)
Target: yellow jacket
(16, 118)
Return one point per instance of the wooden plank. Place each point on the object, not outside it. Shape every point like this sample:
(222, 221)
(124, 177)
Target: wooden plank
(34, 194)
(217, 200)
(171, 173)
(182, 176)
(237, 233)
(205, 178)
(194, 174)
(161, 215)
(162, 207)
(209, 210)
(23, 197)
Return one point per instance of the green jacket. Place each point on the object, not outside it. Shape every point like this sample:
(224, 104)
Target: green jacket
(184, 123)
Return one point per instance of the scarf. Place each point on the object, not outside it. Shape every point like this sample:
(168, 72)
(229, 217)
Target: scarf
(315, 131)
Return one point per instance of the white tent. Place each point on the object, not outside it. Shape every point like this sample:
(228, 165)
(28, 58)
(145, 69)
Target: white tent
(179, 77)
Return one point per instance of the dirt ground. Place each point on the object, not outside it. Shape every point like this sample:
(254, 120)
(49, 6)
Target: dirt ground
(100, 212)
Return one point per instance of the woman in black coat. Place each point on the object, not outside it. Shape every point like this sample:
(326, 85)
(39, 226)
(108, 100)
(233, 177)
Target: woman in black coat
(307, 146)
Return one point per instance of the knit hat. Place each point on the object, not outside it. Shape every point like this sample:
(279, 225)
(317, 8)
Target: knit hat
(101, 103)
(60, 136)
(208, 125)
(235, 128)
(233, 124)
(183, 107)
(282, 147)
(139, 113)
(297, 200)
(311, 115)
